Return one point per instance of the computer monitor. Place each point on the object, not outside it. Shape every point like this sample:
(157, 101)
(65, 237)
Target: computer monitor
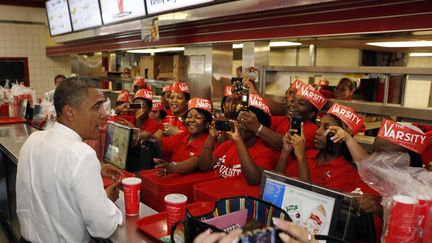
(317, 209)
(118, 138)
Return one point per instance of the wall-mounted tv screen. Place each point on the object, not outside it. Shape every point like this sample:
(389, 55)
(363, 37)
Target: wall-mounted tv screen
(58, 17)
(154, 7)
(85, 14)
(119, 10)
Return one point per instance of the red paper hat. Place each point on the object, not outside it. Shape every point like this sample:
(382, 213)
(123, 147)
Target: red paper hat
(200, 103)
(180, 87)
(297, 84)
(145, 94)
(157, 105)
(404, 136)
(228, 90)
(139, 81)
(258, 102)
(348, 116)
(323, 82)
(124, 96)
(313, 96)
(166, 88)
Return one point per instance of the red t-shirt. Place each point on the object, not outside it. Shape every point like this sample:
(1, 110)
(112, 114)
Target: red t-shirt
(338, 174)
(228, 161)
(176, 148)
(151, 125)
(169, 112)
(280, 124)
(427, 153)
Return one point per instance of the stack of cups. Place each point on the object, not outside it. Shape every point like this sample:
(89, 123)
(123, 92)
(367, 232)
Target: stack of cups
(175, 208)
(403, 223)
(425, 204)
(131, 189)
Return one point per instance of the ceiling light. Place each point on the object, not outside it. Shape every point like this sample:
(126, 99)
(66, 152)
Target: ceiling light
(284, 43)
(272, 44)
(401, 44)
(421, 54)
(156, 50)
(237, 46)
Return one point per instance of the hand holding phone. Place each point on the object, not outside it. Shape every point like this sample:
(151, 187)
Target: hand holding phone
(296, 122)
(223, 125)
(330, 144)
(135, 106)
(245, 99)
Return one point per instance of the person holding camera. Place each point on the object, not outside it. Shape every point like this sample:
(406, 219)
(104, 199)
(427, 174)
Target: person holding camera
(230, 101)
(181, 151)
(142, 105)
(244, 153)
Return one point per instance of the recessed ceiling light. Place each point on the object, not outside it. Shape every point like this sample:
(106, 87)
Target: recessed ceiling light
(421, 54)
(156, 50)
(401, 44)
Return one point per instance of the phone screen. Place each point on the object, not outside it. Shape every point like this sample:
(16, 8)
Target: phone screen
(296, 124)
(135, 106)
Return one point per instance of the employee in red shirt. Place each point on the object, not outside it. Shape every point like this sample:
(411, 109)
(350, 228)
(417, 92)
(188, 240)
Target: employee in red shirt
(345, 89)
(178, 101)
(157, 112)
(166, 93)
(122, 103)
(244, 153)
(181, 151)
(229, 102)
(147, 125)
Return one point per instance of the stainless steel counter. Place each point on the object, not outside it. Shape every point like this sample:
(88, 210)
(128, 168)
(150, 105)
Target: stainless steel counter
(12, 137)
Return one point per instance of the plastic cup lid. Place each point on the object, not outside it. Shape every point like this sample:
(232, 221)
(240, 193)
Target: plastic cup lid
(175, 198)
(405, 199)
(131, 181)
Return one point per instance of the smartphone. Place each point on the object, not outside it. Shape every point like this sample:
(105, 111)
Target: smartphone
(330, 145)
(296, 124)
(135, 106)
(223, 125)
(245, 99)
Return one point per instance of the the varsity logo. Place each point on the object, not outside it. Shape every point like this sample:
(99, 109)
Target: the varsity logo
(348, 116)
(144, 93)
(258, 102)
(180, 87)
(166, 88)
(124, 96)
(297, 84)
(139, 81)
(204, 104)
(312, 96)
(403, 136)
(157, 105)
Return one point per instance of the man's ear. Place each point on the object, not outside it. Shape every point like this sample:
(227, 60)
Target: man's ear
(68, 112)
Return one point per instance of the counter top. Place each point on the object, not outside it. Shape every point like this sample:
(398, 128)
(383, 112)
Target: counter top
(128, 232)
(12, 138)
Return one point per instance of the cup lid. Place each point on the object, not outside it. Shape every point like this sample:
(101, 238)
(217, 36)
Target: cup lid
(175, 198)
(131, 181)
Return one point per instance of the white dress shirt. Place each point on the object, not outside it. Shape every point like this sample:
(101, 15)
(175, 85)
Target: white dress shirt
(60, 194)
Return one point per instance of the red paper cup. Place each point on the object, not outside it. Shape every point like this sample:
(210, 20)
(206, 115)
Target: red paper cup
(131, 188)
(175, 208)
(404, 218)
(171, 120)
(425, 203)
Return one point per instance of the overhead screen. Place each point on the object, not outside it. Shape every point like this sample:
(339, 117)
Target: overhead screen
(58, 17)
(119, 10)
(158, 6)
(85, 14)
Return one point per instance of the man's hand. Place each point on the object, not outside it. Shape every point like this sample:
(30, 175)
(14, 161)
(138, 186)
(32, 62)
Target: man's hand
(111, 172)
(112, 191)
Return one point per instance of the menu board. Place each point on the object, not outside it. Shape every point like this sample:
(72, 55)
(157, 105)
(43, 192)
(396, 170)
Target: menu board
(85, 14)
(120, 10)
(158, 6)
(58, 17)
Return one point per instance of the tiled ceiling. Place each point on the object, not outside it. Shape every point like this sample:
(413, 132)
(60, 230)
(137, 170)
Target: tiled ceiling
(25, 3)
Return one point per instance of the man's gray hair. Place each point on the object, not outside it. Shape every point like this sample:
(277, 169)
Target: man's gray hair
(72, 91)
